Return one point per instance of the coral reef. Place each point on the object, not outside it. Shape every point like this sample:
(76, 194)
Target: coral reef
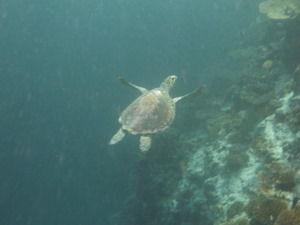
(289, 217)
(277, 176)
(237, 221)
(280, 9)
(245, 148)
(235, 209)
(234, 159)
(228, 122)
(265, 211)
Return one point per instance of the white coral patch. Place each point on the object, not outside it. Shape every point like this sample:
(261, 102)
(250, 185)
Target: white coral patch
(278, 134)
(285, 108)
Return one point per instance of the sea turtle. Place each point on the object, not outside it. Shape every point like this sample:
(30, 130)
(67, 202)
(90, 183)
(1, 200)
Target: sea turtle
(151, 112)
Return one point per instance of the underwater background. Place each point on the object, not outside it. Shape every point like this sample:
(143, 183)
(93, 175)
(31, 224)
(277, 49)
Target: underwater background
(232, 155)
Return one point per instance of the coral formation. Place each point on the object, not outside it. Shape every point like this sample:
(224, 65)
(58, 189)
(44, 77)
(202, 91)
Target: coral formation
(227, 122)
(265, 211)
(235, 209)
(277, 181)
(237, 221)
(267, 64)
(235, 160)
(280, 9)
(289, 217)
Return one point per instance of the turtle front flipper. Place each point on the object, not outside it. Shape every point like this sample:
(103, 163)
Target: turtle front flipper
(190, 95)
(145, 143)
(117, 137)
(128, 84)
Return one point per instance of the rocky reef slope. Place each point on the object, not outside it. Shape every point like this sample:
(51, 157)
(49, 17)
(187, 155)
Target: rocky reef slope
(239, 162)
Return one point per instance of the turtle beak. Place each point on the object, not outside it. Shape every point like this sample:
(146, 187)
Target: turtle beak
(173, 78)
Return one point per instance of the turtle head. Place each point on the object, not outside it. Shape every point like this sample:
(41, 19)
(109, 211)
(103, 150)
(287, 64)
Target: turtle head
(168, 83)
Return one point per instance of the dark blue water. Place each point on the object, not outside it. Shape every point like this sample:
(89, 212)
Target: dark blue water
(59, 98)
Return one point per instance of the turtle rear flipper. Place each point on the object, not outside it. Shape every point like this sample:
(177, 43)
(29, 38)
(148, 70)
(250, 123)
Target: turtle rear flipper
(128, 84)
(145, 143)
(190, 95)
(117, 137)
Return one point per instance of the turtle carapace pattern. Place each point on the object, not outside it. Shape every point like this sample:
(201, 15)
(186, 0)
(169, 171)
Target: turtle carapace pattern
(151, 112)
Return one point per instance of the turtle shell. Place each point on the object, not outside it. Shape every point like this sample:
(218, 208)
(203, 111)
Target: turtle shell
(151, 112)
